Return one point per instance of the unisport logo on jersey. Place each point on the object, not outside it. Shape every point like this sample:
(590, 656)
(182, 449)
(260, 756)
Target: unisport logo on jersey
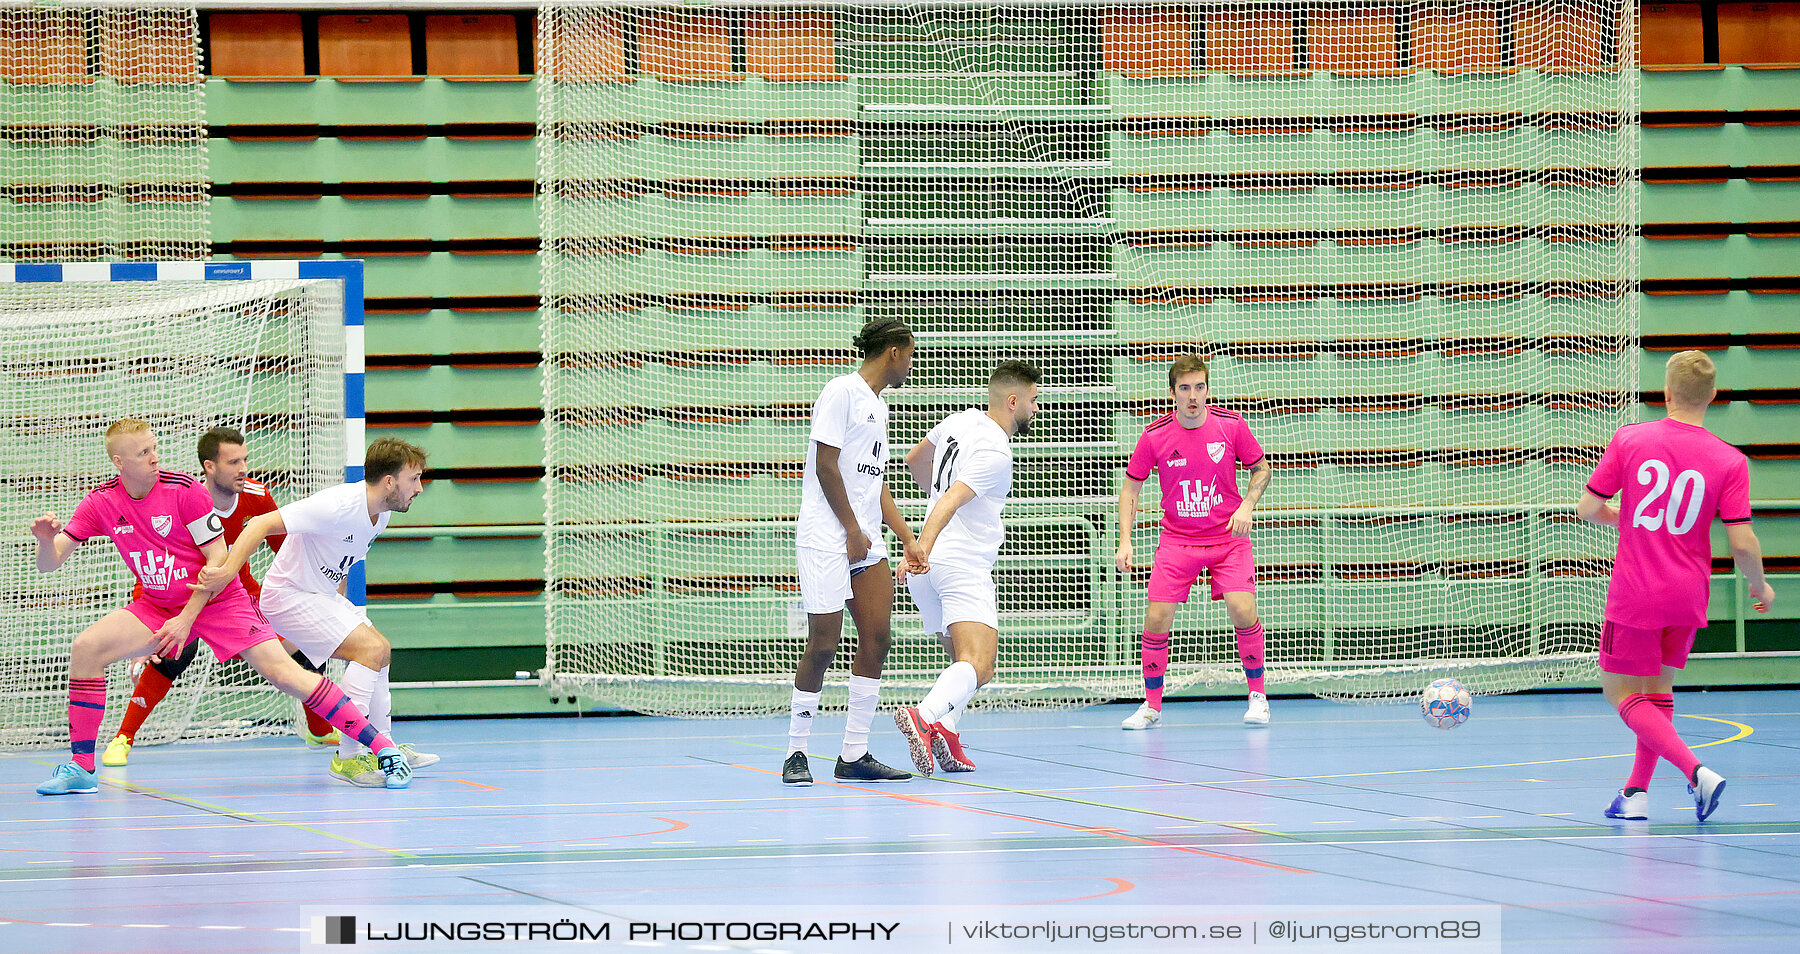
(1196, 500)
(156, 571)
(336, 574)
(875, 469)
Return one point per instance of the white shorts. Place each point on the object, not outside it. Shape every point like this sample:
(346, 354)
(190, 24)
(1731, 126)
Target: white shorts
(954, 594)
(825, 577)
(316, 623)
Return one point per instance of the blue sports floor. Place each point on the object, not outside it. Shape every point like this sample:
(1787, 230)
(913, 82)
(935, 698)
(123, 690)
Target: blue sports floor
(218, 847)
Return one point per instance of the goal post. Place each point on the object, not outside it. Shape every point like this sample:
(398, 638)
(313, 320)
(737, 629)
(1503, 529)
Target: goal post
(1403, 233)
(273, 348)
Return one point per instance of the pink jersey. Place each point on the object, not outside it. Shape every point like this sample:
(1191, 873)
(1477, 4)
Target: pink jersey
(1198, 473)
(1672, 479)
(159, 536)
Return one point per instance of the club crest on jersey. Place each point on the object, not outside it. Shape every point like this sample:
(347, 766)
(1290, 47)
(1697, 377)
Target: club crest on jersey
(1216, 450)
(162, 523)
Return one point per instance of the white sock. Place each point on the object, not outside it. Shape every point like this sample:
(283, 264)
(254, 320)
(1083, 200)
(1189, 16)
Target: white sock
(951, 718)
(952, 691)
(864, 694)
(801, 709)
(381, 704)
(359, 685)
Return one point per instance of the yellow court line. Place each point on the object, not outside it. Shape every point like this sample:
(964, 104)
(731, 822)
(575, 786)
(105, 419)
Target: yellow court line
(264, 819)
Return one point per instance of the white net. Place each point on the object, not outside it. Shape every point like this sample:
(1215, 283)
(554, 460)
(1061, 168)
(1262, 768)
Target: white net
(102, 135)
(1403, 233)
(266, 357)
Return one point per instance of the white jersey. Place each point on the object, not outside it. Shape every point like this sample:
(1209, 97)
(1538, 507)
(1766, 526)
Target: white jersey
(327, 534)
(968, 447)
(852, 418)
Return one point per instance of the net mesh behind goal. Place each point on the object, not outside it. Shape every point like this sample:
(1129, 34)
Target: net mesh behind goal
(1403, 233)
(266, 357)
(102, 134)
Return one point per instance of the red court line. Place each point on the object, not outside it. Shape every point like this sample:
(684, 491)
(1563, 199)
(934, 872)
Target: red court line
(1120, 886)
(490, 788)
(918, 800)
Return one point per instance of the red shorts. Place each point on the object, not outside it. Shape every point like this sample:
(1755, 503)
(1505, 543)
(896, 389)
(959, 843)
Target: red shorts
(1630, 651)
(229, 624)
(1230, 564)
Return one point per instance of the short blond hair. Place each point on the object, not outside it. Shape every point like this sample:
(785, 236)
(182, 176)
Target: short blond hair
(124, 427)
(1688, 379)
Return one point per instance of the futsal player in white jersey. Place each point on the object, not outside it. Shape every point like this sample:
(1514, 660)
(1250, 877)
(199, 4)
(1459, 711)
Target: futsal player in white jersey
(965, 464)
(841, 554)
(328, 533)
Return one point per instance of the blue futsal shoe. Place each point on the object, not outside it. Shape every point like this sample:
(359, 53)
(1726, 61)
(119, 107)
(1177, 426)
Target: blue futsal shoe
(393, 765)
(1708, 786)
(70, 779)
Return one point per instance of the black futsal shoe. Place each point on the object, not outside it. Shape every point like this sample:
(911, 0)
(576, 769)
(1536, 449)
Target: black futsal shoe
(794, 770)
(866, 769)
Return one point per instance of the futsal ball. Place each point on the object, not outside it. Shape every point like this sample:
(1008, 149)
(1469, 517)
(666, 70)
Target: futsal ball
(1445, 704)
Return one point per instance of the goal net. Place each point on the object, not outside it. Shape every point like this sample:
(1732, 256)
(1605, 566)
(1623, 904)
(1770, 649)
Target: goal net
(79, 350)
(1402, 233)
(102, 134)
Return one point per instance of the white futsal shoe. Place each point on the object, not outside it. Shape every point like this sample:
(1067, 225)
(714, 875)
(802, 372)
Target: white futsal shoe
(1258, 713)
(1144, 718)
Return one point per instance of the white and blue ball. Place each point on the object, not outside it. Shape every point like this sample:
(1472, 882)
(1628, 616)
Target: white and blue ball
(1445, 704)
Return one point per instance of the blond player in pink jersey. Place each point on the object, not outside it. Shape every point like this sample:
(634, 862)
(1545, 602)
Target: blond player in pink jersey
(164, 527)
(1196, 450)
(1672, 477)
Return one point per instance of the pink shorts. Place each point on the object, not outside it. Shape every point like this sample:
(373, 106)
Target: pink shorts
(1630, 651)
(1177, 567)
(229, 624)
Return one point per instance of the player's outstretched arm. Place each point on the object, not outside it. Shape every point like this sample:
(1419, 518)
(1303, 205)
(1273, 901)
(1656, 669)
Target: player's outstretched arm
(1594, 510)
(945, 508)
(918, 463)
(1128, 510)
(53, 545)
(214, 578)
(1746, 552)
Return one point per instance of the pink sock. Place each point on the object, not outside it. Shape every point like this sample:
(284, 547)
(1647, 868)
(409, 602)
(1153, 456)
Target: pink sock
(1645, 718)
(1250, 653)
(329, 701)
(1156, 662)
(87, 706)
(1644, 765)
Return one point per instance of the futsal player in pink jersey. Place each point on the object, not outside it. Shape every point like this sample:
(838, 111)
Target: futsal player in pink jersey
(1196, 450)
(1672, 477)
(164, 527)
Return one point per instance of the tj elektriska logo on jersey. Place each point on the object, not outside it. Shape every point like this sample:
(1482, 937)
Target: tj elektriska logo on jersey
(157, 571)
(1198, 500)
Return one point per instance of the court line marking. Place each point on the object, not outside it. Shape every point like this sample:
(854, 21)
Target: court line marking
(948, 852)
(919, 800)
(196, 803)
(491, 788)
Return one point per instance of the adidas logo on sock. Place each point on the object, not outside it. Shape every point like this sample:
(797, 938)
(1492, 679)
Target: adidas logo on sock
(138, 701)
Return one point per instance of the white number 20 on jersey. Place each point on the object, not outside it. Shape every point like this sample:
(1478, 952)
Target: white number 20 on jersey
(1685, 497)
